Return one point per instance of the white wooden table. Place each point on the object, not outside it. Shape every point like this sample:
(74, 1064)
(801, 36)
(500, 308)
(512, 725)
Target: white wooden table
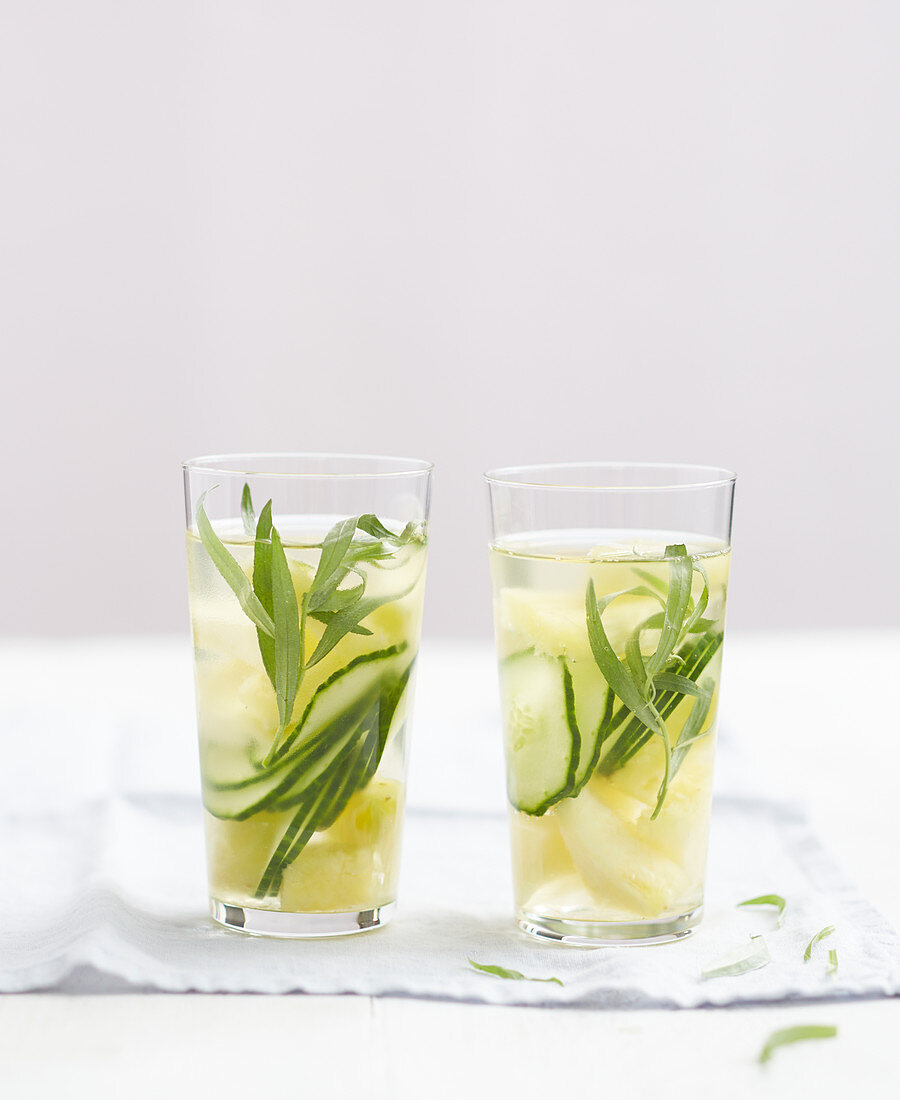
(809, 732)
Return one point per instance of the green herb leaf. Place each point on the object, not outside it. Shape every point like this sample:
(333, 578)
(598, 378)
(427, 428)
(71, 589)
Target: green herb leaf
(503, 972)
(794, 1035)
(647, 687)
(634, 735)
(672, 681)
(681, 572)
(614, 672)
(768, 899)
(334, 547)
(832, 961)
(696, 616)
(752, 956)
(657, 583)
(247, 516)
(231, 572)
(826, 931)
(288, 641)
(262, 584)
(344, 622)
(635, 660)
(342, 610)
(373, 526)
(691, 730)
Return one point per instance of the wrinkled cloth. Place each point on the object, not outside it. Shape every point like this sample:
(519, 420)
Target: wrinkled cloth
(114, 893)
(102, 862)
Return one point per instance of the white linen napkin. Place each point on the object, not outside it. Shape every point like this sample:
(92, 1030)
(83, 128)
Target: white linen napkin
(114, 891)
(101, 855)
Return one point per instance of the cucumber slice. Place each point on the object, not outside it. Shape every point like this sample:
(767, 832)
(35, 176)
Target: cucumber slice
(593, 710)
(367, 690)
(356, 679)
(542, 738)
(286, 784)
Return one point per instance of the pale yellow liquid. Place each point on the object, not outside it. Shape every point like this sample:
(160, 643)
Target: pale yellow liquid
(599, 857)
(354, 864)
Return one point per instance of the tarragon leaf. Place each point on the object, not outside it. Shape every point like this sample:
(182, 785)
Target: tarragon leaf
(752, 956)
(681, 572)
(262, 584)
(231, 572)
(794, 1035)
(504, 972)
(690, 731)
(702, 603)
(288, 641)
(247, 512)
(635, 659)
(826, 931)
(373, 526)
(614, 672)
(337, 600)
(344, 622)
(342, 610)
(657, 583)
(693, 660)
(334, 547)
(671, 681)
(701, 626)
(768, 899)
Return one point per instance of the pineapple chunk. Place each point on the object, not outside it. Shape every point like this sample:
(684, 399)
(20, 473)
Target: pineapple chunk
(625, 806)
(237, 854)
(352, 865)
(555, 622)
(539, 854)
(615, 864)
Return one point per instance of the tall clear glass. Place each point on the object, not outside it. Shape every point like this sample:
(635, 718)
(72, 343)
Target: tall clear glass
(306, 575)
(609, 585)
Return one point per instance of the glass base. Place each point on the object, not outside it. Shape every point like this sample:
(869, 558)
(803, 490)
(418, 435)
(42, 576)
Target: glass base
(299, 926)
(640, 933)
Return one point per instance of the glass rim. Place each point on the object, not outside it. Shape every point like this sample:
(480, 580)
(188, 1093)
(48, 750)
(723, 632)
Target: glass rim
(527, 477)
(238, 464)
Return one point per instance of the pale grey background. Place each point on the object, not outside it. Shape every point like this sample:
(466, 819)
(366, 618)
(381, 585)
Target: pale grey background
(480, 232)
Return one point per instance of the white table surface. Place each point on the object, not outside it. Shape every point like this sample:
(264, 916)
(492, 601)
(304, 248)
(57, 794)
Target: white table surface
(811, 714)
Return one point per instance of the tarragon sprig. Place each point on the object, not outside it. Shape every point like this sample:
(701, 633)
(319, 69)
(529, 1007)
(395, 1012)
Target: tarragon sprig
(270, 601)
(651, 687)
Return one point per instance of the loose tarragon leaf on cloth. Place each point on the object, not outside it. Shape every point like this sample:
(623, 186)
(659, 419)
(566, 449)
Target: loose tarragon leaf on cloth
(807, 954)
(795, 1035)
(753, 956)
(768, 899)
(504, 972)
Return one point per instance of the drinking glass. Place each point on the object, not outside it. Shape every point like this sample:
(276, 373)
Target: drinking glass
(609, 584)
(306, 574)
